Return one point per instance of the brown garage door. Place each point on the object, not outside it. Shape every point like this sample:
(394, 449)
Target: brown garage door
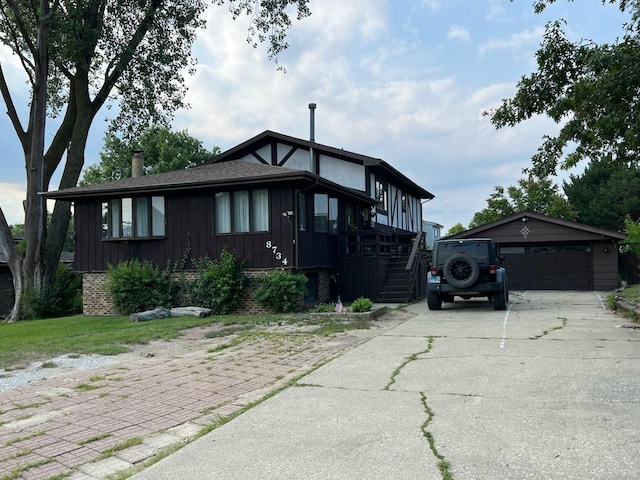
(548, 267)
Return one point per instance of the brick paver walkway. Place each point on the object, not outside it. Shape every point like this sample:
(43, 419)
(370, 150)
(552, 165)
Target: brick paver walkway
(96, 423)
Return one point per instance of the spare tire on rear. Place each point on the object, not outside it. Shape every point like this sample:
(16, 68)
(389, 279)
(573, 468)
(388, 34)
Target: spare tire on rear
(461, 270)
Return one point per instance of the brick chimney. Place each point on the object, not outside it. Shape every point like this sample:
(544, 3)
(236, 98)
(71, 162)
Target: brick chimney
(137, 164)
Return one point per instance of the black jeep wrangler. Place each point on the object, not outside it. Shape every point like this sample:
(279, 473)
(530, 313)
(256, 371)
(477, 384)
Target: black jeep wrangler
(466, 268)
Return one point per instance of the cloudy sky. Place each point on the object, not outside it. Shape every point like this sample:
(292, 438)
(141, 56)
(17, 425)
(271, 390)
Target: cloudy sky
(402, 80)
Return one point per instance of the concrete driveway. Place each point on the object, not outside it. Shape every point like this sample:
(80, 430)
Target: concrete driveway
(549, 389)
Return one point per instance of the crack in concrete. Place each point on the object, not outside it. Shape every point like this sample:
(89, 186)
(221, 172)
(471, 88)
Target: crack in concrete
(547, 332)
(443, 464)
(408, 360)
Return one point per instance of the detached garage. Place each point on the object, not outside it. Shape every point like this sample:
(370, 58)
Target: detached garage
(546, 253)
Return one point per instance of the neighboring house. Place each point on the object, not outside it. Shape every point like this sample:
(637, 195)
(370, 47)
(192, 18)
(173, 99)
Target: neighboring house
(546, 253)
(432, 231)
(6, 286)
(351, 223)
(6, 280)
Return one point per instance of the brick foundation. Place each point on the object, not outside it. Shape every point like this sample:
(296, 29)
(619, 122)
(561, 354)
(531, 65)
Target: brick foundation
(95, 297)
(324, 286)
(96, 300)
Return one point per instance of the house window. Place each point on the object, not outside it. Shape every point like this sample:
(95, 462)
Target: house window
(302, 212)
(321, 212)
(382, 196)
(260, 210)
(157, 217)
(133, 217)
(404, 203)
(142, 218)
(351, 218)
(223, 212)
(127, 217)
(333, 216)
(242, 211)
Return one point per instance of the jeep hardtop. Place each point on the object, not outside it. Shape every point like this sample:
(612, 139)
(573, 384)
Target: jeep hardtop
(466, 268)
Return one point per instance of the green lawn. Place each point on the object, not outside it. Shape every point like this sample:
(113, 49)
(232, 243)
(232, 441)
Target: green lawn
(33, 340)
(37, 340)
(632, 293)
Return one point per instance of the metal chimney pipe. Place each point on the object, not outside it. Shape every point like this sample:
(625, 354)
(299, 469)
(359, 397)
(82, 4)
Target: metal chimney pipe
(312, 114)
(137, 164)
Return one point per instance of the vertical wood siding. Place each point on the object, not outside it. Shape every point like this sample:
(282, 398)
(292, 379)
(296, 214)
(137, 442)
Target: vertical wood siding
(189, 227)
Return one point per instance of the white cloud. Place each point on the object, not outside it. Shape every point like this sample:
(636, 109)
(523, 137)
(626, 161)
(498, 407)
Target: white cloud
(11, 197)
(495, 10)
(434, 5)
(338, 21)
(372, 25)
(13, 71)
(515, 41)
(457, 32)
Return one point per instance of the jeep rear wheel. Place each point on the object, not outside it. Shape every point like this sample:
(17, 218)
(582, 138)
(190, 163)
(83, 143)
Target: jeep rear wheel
(434, 301)
(461, 270)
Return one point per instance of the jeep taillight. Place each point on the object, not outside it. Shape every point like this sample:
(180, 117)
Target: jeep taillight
(492, 269)
(434, 271)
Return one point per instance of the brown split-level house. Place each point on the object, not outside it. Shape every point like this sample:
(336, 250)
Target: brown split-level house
(351, 223)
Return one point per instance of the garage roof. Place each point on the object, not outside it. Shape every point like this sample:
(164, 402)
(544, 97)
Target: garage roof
(565, 229)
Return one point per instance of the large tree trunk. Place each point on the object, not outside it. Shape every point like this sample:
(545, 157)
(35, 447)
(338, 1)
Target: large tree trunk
(27, 272)
(35, 209)
(57, 232)
(81, 112)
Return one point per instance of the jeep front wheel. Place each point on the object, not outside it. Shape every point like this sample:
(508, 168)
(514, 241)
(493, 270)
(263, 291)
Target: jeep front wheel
(461, 270)
(500, 299)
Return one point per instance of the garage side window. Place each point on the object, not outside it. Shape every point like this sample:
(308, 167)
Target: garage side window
(543, 249)
(575, 248)
(512, 250)
(133, 217)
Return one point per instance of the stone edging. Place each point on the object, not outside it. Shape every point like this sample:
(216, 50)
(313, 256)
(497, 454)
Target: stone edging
(627, 306)
(375, 312)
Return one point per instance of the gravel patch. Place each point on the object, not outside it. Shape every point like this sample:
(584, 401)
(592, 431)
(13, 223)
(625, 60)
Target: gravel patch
(61, 365)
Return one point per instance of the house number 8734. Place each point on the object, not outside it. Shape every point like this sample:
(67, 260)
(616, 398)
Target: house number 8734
(274, 248)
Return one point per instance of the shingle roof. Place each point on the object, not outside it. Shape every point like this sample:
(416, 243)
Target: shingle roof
(545, 218)
(377, 163)
(201, 175)
(236, 172)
